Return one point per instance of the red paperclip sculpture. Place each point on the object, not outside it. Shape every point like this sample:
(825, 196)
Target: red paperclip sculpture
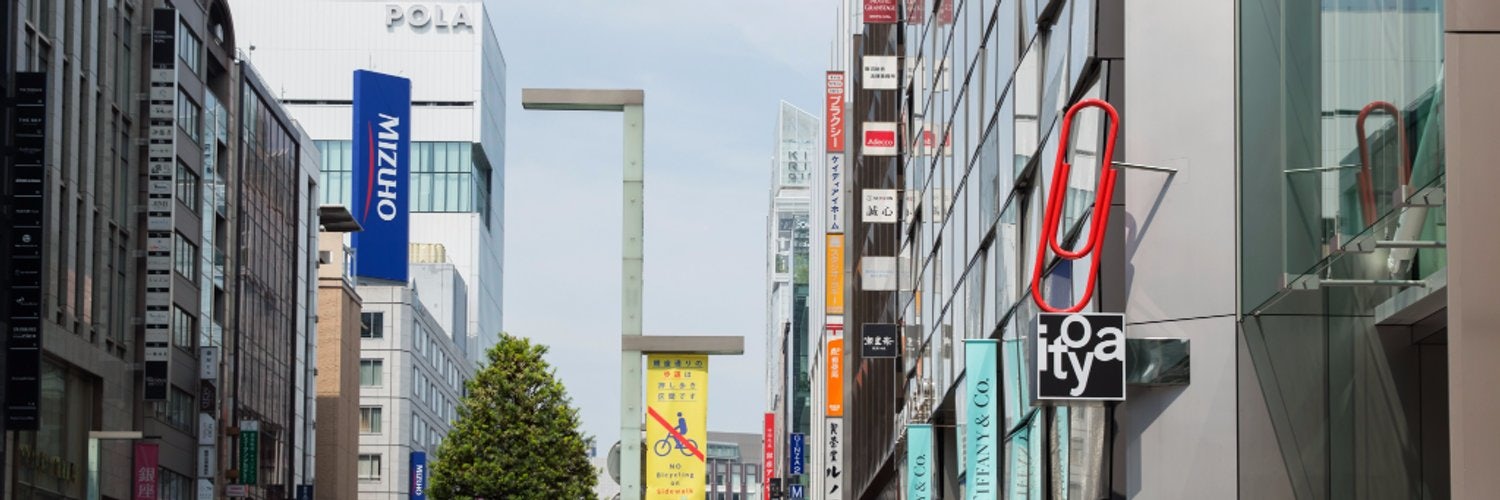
(1366, 175)
(1053, 210)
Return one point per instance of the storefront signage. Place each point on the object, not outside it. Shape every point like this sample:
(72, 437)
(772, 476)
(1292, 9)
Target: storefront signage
(1080, 357)
(23, 367)
(877, 340)
(881, 12)
(1057, 197)
(161, 158)
(833, 387)
(835, 194)
(879, 206)
(768, 458)
(833, 94)
(919, 462)
(833, 279)
(208, 461)
(983, 419)
(208, 362)
(421, 16)
(418, 476)
(796, 491)
(146, 483)
(45, 463)
(915, 11)
(877, 274)
(879, 139)
(382, 139)
(796, 454)
(833, 475)
(249, 452)
(676, 416)
(945, 12)
(880, 73)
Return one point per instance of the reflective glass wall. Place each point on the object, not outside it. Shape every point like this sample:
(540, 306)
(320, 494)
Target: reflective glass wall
(1342, 240)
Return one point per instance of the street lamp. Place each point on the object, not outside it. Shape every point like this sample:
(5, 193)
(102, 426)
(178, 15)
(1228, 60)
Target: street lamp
(631, 102)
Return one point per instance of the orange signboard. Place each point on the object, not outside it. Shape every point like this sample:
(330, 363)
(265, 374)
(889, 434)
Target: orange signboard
(834, 387)
(833, 270)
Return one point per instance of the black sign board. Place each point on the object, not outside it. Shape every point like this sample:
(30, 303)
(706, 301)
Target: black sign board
(878, 340)
(208, 397)
(776, 488)
(28, 201)
(1079, 356)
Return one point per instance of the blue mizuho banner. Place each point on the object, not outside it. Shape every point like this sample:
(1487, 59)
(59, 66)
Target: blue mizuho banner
(983, 419)
(919, 462)
(381, 174)
(419, 476)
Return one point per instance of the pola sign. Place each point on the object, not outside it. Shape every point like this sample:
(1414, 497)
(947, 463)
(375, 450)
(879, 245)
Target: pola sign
(421, 16)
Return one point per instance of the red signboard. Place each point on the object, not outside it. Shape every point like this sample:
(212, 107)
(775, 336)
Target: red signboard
(880, 138)
(915, 10)
(145, 478)
(881, 12)
(945, 12)
(768, 468)
(834, 110)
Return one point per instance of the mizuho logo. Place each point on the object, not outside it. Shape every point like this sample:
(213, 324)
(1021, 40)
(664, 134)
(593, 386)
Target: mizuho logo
(420, 480)
(1080, 356)
(383, 167)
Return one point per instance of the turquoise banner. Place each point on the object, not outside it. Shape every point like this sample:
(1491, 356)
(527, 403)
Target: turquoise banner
(983, 419)
(919, 464)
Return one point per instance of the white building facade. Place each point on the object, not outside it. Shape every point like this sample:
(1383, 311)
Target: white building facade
(449, 50)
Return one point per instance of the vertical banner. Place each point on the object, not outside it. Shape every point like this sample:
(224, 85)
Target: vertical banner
(945, 12)
(833, 481)
(161, 166)
(919, 462)
(677, 411)
(915, 11)
(768, 461)
(833, 386)
(833, 279)
(146, 483)
(796, 454)
(835, 194)
(23, 367)
(249, 452)
(833, 111)
(881, 12)
(983, 417)
(418, 476)
(382, 121)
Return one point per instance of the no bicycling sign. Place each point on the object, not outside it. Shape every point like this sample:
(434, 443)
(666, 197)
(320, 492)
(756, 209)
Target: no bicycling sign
(676, 413)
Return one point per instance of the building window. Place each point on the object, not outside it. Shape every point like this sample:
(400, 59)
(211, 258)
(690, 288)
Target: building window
(369, 466)
(185, 257)
(189, 115)
(187, 187)
(174, 486)
(369, 419)
(371, 372)
(180, 410)
(190, 49)
(183, 329)
(372, 325)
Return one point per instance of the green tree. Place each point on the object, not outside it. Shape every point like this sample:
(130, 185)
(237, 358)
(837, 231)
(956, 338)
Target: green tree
(517, 435)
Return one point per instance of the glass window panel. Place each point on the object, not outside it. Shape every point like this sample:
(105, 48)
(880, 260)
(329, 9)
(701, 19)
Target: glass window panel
(1027, 106)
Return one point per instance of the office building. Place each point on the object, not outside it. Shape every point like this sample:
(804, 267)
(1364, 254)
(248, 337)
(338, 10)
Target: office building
(412, 375)
(449, 51)
(1282, 206)
(789, 267)
(340, 312)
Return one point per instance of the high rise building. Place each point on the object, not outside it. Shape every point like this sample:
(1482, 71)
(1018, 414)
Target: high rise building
(340, 316)
(789, 269)
(449, 51)
(1313, 296)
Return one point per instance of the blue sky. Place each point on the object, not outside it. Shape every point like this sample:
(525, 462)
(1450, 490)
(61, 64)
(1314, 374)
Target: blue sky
(713, 72)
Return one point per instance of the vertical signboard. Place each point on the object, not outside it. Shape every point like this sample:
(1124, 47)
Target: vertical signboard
(945, 12)
(983, 417)
(919, 462)
(879, 139)
(145, 482)
(915, 11)
(418, 476)
(833, 481)
(881, 12)
(835, 194)
(833, 93)
(879, 72)
(833, 387)
(161, 164)
(208, 424)
(249, 452)
(382, 138)
(677, 411)
(877, 340)
(1079, 357)
(23, 367)
(878, 206)
(768, 458)
(833, 278)
(796, 454)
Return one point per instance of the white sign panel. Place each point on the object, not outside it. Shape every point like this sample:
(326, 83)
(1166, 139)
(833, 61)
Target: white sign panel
(208, 366)
(879, 206)
(835, 194)
(833, 475)
(881, 72)
(878, 274)
(208, 429)
(207, 461)
(879, 139)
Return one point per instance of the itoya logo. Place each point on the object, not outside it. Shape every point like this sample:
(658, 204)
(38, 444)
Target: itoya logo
(880, 138)
(382, 170)
(1080, 356)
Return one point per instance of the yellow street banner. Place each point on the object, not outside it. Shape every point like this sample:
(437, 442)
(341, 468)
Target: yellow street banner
(833, 278)
(676, 414)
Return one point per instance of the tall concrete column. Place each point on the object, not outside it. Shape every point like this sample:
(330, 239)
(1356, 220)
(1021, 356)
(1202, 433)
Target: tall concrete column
(1472, 41)
(634, 233)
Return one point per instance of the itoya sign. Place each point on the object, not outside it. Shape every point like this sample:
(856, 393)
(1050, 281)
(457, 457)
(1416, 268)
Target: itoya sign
(1080, 357)
(382, 121)
(421, 16)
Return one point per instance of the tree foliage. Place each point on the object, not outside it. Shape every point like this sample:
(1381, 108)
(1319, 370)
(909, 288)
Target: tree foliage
(517, 435)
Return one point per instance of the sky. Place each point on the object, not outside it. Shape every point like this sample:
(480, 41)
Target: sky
(714, 72)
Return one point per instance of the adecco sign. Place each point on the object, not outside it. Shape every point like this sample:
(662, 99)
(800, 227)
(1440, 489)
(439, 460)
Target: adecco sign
(421, 16)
